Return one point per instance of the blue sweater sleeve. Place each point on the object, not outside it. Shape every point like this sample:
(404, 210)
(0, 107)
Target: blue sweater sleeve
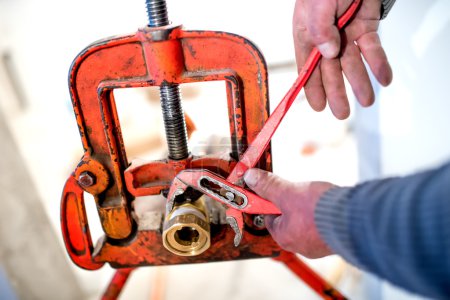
(396, 228)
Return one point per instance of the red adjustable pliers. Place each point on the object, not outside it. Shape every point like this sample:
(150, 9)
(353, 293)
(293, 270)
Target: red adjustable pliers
(230, 191)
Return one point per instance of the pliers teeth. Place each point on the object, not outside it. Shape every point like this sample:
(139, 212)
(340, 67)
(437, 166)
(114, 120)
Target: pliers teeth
(236, 221)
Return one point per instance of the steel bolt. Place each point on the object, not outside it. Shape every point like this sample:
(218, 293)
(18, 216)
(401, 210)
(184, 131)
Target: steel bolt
(86, 179)
(230, 196)
(258, 221)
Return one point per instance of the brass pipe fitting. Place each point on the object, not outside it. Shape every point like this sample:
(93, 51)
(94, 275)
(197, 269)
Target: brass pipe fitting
(186, 229)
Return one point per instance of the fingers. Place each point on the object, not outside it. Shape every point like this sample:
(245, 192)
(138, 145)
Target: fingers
(314, 26)
(333, 81)
(272, 224)
(270, 187)
(375, 56)
(294, 230)
(267, 185)
(356, 74)
(326, 82)
(320, 22)
(315, 92)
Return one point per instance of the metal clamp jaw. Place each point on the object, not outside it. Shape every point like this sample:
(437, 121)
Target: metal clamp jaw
(154, 57)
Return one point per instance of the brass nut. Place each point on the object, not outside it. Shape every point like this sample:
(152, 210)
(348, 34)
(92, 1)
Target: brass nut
(186, 230)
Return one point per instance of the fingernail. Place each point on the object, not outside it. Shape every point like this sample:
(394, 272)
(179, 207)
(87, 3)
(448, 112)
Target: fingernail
(328, 49)
(251, 177)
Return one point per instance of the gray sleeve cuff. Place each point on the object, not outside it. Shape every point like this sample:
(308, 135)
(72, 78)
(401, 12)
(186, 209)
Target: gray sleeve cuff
(332, 217)
(386, 6)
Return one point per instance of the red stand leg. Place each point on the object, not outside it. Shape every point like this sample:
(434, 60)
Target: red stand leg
(311, 278)
(117, 283)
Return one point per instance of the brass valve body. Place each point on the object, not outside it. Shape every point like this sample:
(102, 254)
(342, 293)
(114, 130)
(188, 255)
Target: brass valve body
(186, 229)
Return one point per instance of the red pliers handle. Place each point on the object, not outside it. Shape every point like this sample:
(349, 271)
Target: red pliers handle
(229, 191)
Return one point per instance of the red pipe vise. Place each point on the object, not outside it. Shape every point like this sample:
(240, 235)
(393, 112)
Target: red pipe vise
(155, 56)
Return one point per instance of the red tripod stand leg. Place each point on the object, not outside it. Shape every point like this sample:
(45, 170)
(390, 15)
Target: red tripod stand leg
(117, 283)
(311, 278)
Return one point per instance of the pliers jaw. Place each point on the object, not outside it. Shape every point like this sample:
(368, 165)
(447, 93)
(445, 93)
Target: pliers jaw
(236, 199)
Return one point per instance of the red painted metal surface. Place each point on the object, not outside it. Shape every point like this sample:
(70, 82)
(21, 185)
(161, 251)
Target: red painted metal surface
(305, 273)
(117, 283)
(253, 205)
(75, 227)
(141, 60)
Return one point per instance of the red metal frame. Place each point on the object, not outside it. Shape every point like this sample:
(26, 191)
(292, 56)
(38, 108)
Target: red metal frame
(136, 61)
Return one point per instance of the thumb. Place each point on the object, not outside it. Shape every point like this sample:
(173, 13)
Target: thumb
(267, 185)
(272, 223)
(321, 22)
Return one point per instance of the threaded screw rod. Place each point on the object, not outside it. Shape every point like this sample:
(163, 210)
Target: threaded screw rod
(173, 116)
(174, 122)
(157, 13)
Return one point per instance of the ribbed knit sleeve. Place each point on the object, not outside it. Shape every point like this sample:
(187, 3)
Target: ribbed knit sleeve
(386, 6)
(397, 228)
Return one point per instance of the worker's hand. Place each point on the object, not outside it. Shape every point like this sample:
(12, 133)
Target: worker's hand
(295, 229)
(314, 26)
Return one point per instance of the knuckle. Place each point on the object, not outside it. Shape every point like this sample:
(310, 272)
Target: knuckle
(318, 31)
(265, 182)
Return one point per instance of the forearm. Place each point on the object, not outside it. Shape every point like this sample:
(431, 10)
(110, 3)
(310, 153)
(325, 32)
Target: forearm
(397, 228)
